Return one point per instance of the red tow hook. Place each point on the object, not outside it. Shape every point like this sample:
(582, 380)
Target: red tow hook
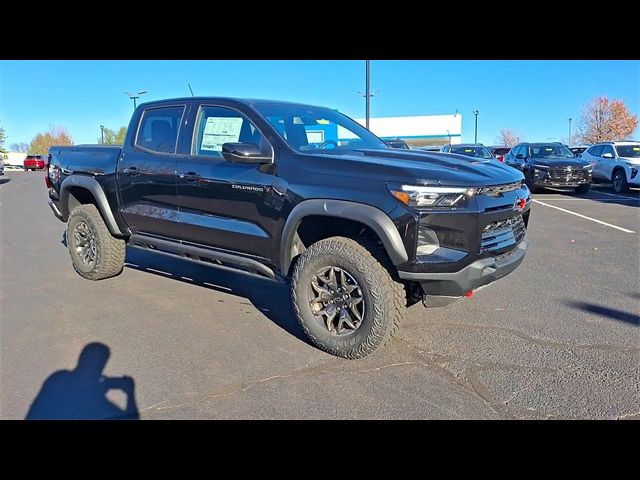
(469, 294)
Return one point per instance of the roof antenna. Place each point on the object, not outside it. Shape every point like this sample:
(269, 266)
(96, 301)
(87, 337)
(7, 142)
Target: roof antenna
(190, 89)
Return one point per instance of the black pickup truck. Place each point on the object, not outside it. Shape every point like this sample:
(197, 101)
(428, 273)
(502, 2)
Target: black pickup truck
(294, 193)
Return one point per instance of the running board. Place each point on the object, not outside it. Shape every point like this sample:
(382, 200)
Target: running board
(202, 256)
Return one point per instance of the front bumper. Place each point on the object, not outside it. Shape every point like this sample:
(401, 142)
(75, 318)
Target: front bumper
(561, 178)
(454, 285)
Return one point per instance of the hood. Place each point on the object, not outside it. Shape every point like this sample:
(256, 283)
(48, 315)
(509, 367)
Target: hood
(560, 162)
(420, 167)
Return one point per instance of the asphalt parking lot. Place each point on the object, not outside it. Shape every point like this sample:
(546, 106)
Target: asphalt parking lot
(558, 338)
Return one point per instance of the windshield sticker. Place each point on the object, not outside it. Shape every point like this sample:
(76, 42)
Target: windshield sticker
(219, 130)
(468, 150)
(636, 149)
(548, 149)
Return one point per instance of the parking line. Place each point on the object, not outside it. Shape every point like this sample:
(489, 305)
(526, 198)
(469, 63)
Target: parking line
(584, 216)
(572, 199)
(614, 195)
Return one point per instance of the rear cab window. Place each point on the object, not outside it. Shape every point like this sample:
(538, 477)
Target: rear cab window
(159, 129)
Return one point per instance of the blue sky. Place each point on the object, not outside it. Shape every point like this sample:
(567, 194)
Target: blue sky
(533, 97)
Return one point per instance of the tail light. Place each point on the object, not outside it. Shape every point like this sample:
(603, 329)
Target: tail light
(47, 180)
(501, 158)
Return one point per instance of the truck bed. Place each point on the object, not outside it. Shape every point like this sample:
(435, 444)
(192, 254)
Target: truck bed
(90, 159)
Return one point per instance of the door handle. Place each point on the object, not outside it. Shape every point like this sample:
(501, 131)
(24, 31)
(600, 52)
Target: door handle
(190, 177)
(131, 171)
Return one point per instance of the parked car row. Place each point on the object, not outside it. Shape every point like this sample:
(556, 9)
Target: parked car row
(554, 164)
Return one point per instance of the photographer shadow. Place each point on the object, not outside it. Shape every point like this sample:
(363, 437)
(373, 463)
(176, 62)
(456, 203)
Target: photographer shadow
(81, 393)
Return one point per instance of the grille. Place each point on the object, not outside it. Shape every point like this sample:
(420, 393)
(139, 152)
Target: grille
(497, 190)
(567, 175)
(502, 234)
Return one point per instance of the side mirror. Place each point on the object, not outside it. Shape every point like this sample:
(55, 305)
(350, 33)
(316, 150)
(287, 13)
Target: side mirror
(607, 155)
(244, 153)
(520, 156)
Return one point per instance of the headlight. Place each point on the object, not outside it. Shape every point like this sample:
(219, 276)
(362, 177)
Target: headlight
(541, 167)
(588, 167)
(422, 196)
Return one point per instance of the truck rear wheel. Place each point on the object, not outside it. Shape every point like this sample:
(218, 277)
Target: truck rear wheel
(345, 299)
(95, 253)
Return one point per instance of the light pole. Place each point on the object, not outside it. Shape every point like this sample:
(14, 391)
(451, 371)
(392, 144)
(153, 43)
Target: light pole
(448, 133)
(570, 131)
(476, 112)
(367, 94)
(102, 134)
(135, 96)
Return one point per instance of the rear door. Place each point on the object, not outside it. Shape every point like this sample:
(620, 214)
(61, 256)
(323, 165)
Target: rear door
(147, 172)
(227, 205)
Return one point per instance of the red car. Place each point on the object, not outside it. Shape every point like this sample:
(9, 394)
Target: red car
(34, 162)
(499, 152)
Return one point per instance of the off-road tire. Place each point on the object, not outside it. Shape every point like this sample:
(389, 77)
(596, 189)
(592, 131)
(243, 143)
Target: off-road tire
(110, 251)
(384, 297)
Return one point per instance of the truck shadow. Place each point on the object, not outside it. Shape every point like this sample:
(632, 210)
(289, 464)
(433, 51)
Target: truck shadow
(606, 312)
(271, 298)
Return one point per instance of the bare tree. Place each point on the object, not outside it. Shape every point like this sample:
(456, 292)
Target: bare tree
(3, 137)
(43, 141)
(508, 137)
(604, 120)
(19, 147)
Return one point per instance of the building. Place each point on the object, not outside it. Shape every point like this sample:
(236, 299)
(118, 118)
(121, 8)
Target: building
(418, 131)
(15, 159)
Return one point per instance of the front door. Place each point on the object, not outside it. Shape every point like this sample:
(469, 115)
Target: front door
(607, 161)
(147, 173)
(596, 161)
(227, 205)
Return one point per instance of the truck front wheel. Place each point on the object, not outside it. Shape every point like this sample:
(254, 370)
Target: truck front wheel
(344, 298)
(95, 253)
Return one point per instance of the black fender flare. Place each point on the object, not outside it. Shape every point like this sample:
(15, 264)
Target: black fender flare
(372, 217)
(90, 184)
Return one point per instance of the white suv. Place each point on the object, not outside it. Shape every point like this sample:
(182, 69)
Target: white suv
(615, 162)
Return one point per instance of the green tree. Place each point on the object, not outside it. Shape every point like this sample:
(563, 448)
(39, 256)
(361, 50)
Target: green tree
(53, 137)
(111, 137)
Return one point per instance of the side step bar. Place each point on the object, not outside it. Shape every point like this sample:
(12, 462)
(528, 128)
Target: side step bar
(203, 256)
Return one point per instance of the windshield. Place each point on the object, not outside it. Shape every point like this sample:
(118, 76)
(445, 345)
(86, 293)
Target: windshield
(477, 152)
(544, 151)
(309, 129)
(628, 150)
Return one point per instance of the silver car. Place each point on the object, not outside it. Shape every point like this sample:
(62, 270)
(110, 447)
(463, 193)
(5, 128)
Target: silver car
(615, 162)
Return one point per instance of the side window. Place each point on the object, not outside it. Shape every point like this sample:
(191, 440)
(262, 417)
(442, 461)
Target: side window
(516, 150)
(218, 125)
(159, 129)
(607, 149)
(597, 150)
